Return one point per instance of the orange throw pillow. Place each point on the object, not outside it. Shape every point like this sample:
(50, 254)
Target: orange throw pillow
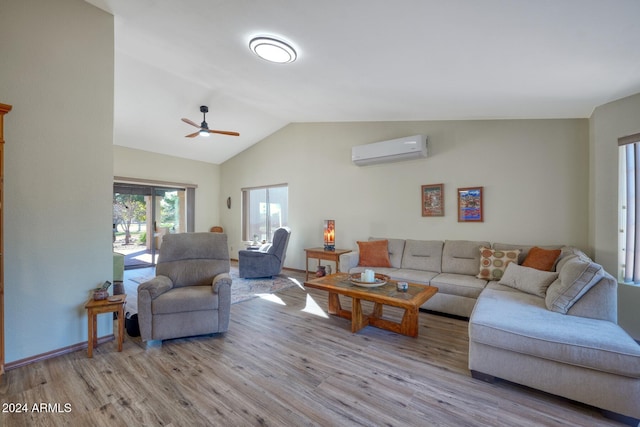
(374, 253)
(541, 259)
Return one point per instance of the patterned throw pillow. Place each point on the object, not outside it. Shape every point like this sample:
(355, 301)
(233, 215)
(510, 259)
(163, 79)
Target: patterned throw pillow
(494, 262)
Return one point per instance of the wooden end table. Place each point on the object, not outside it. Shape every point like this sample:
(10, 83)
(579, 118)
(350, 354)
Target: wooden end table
(321, 253)
(411, 300)
(114, 304)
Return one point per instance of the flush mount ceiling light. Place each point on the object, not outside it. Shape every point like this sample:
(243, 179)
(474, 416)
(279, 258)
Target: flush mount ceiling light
(272, 50)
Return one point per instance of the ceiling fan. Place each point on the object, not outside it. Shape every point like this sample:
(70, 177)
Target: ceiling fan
(204, 127)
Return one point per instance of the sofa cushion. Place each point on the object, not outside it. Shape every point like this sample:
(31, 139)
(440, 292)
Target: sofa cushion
(423, 255)
(542, 259)
(462, 256)
(193, 272)
(413, 276)
(494, 262)
(395, 248)
(187, 298)
(520, 322)
(529, 280)
(599, 302)
(458, 284)
(374, 253)
(567, 253)
(576, 277)
(497, 286)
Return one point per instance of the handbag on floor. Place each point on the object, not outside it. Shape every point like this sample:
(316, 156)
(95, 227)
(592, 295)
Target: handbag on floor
(131, 325)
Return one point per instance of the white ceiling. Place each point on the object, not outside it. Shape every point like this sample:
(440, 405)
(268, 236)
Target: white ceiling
(361, 60)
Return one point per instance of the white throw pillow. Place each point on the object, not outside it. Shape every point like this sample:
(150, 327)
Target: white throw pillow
(265, 247)
(527, 279)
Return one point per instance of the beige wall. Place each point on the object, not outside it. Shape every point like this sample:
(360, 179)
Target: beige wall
(534, 174)
(608, 123)
(57, 72)
(144, 165)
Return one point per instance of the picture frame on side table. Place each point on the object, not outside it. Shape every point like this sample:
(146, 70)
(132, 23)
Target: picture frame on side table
(470, 207)
(432, 200)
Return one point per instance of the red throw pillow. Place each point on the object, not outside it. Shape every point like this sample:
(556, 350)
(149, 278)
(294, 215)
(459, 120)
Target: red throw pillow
(374, 253)
(541, 259)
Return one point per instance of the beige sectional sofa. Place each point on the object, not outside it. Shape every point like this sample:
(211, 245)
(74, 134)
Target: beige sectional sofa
(556, 332)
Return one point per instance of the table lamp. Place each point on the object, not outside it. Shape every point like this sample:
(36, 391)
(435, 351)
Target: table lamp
(329, 235)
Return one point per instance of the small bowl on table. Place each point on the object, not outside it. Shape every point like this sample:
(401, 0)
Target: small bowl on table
(402, 286)
(100, 294)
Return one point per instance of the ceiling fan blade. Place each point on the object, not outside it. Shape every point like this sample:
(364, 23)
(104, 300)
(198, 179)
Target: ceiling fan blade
(224, 132)
(192, 123)
(192, 135)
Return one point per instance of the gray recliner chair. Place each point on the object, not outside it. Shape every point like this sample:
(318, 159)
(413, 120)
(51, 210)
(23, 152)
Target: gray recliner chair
(265, 263)
(191, 293)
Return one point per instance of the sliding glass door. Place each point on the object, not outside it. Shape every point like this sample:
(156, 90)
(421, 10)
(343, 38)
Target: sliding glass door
(142, 215)
(169, 213)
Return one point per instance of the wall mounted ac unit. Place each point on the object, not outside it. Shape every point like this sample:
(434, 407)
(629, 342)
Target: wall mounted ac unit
(410, 147)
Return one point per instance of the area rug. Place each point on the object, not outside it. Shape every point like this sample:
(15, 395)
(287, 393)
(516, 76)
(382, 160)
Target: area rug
(245, 289)
(241, 289)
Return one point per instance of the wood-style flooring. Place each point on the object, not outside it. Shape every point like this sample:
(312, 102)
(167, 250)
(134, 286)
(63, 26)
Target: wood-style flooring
(283, 362)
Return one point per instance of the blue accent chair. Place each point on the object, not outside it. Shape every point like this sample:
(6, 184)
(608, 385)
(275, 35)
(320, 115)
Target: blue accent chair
(267, 262)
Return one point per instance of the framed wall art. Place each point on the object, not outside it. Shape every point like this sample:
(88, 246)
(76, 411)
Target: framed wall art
(433, 200)
(470, 204)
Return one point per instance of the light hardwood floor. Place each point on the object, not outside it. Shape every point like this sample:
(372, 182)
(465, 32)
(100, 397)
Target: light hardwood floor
(284, 363)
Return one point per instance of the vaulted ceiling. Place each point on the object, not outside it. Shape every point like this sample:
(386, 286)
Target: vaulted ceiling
(361, 60)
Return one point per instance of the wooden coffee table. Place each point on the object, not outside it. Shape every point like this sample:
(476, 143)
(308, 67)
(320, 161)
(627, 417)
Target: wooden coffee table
(411, 300)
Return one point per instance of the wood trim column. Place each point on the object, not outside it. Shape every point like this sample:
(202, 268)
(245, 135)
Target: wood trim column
(4, 109)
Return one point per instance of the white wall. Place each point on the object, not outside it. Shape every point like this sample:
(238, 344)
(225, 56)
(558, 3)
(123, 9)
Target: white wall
(57, 72)
(608, 123)
(131, 163)
(534, 174)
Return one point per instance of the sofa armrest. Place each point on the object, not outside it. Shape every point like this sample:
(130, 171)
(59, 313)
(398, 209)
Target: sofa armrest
(156, 286)
(222, 287)
(147, 292)
(348, 261)
(220, 280)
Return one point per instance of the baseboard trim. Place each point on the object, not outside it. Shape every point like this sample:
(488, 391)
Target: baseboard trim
(54, 353)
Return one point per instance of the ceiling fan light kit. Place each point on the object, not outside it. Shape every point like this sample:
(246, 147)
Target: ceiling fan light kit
(273, 50)
(204, 127)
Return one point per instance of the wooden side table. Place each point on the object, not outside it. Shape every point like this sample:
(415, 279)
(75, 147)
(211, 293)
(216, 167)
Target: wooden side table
(320, 254)
(114, 304)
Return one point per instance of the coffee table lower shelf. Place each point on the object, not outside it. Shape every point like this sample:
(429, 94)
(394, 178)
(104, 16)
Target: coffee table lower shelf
(410, 301)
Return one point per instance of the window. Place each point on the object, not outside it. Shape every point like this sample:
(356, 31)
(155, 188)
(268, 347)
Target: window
(629, 196)
(264, 210)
